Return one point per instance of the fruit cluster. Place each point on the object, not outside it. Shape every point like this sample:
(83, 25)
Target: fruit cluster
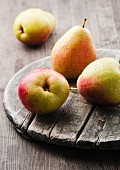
(73, 57)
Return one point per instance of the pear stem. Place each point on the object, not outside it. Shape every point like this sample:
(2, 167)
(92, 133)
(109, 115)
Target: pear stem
(83, 24)
(73, 88)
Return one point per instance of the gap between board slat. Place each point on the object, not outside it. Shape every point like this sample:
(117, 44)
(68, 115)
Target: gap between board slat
(85, 123)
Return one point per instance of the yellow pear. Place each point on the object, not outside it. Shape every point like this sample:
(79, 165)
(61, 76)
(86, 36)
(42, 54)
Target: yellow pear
(73, 52)
(33, 26)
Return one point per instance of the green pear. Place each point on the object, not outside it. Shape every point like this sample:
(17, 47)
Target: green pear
(100, 82)
(73, 52)
(34, 26)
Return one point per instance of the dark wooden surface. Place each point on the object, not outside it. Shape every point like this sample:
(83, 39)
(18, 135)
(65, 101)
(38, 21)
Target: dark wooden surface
(17, 153)
(77, 123)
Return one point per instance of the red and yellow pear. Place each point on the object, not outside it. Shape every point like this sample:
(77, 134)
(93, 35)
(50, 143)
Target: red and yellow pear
(34, 26)
(100, 82)
(43, 91)
(73, 52)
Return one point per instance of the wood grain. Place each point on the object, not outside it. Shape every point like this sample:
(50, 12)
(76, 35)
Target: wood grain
(100, 130)
(71, 120)
(77, 121)
(103, 22)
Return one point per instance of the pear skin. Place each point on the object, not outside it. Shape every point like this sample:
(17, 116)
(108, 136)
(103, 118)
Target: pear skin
(100, 82)
(73, 52)
(34, 26)
(43, 91)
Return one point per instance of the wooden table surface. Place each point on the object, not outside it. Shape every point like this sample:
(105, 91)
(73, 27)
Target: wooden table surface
(17, 153)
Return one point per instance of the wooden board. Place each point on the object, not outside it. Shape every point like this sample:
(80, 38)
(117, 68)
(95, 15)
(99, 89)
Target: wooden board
(77, 123)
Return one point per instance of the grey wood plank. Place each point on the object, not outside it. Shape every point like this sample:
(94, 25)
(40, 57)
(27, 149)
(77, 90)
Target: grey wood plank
(101, 53)
(71, 120)
(102, 129)
(90, 135)
(108, 36)
(116, 13)
(41, 126)
(84, 9)
(110, 130)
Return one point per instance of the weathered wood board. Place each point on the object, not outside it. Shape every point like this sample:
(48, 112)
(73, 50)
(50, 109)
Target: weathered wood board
(77, 123)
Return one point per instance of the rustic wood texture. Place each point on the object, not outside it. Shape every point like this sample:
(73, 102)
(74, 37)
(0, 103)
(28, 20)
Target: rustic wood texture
(104, 24)
(76, 123)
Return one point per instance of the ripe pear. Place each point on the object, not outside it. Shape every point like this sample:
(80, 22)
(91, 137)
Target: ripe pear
(73, 52)
(43, 91)
(100, 82)
(33, 26)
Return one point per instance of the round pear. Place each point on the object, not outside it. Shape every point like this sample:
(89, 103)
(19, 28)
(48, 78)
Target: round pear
(100, 82)
(33, 26)
(43, 91)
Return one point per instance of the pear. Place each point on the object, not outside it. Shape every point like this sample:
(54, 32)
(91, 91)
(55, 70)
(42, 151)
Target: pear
(73, 52)
(100, 82)
(34, 26)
